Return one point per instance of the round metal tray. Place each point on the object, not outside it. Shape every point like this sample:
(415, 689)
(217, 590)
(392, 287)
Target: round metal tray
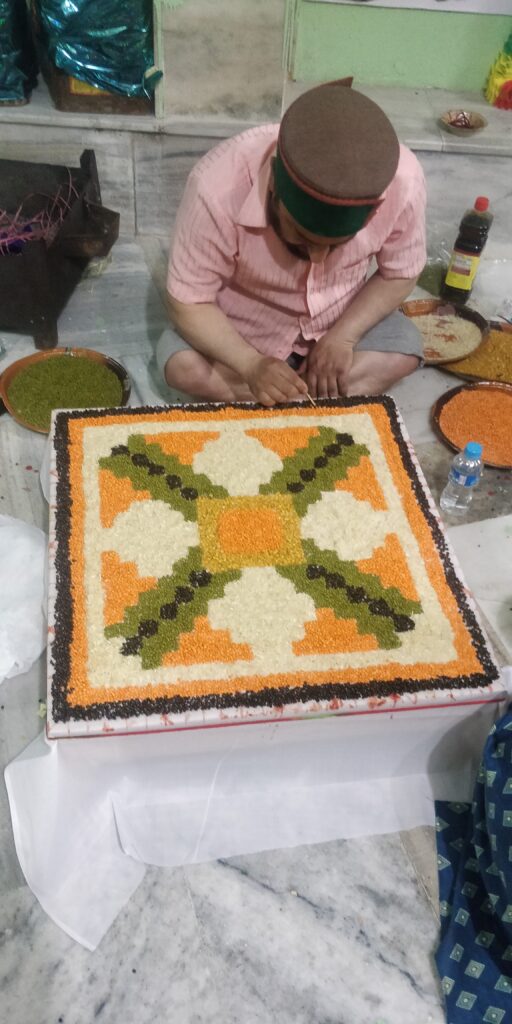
(444, 399)
(422, 307)
(12, 371)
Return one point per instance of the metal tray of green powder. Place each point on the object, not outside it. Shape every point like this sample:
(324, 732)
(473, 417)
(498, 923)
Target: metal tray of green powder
(62, 378)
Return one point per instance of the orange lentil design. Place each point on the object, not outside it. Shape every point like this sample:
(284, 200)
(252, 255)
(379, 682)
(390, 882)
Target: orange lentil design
(82, 692)
(483, 415)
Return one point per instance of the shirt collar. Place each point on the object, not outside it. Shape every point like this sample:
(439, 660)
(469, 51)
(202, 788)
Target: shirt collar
(253, 212)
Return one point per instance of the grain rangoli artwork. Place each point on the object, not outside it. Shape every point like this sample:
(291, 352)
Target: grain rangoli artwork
(219, 557)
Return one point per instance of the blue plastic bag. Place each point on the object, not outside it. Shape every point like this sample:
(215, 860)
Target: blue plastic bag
(18, 71)
(106, 43)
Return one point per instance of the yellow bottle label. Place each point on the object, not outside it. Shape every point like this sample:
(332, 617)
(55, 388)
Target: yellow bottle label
(462, 270)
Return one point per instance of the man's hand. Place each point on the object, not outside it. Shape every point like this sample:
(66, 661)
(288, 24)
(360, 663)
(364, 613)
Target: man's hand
(272, 380)
(327, 367)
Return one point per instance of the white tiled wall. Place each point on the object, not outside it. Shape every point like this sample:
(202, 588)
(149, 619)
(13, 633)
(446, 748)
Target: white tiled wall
(223, 58)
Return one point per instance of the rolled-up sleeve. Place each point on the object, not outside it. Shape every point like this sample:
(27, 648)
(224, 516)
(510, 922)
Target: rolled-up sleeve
(404, 251)
(203, 249)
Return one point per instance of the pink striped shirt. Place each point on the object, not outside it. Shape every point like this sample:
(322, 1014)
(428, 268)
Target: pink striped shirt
(225, 250)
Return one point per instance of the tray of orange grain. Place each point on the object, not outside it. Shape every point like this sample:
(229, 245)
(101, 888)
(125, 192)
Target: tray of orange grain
(481, 411)
(491, 361)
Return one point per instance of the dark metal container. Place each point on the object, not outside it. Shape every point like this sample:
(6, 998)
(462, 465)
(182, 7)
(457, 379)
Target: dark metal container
(37, 281)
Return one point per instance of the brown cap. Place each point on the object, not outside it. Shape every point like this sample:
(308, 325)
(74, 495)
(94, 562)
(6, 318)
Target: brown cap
(337, 145)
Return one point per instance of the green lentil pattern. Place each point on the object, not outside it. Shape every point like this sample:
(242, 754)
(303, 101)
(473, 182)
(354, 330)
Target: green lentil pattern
(313, 470)
(381, 611)
(164, 476)
(154, 625)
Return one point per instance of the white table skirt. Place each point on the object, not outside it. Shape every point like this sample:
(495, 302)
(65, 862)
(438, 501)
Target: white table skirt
(88, 814)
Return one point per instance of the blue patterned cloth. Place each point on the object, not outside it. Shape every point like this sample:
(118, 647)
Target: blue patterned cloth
(474, 846)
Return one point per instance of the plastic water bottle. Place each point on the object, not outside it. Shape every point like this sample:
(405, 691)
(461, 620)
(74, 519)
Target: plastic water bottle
(465, 472)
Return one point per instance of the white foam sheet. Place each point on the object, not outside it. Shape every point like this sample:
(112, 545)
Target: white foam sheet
(485, 551)
(89, 813)
(23, 551)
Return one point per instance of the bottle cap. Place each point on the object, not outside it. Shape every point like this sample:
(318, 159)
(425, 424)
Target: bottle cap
(481, 203)
(473, 449)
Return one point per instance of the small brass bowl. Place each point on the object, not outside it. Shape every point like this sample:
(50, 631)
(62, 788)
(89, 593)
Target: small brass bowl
(12, 371)
(448, 121)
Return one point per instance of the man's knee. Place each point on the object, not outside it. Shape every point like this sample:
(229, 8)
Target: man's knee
(375, 372)
(403, 365)
(395, 367)
(184, 370)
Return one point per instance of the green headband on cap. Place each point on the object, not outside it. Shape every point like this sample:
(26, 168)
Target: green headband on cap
(327, 220)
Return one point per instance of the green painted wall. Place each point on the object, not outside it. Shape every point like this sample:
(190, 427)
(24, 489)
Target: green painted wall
(386, 46)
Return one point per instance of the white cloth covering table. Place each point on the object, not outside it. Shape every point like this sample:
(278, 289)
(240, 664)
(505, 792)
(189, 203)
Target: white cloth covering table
(89, 813)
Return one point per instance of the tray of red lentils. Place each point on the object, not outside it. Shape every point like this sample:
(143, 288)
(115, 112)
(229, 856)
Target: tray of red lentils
(478, 412)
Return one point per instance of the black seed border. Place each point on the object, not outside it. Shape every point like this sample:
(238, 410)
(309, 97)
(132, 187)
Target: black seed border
(63, 634)
(64, 711)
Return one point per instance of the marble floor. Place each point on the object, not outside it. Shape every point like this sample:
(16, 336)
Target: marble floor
(331, 934)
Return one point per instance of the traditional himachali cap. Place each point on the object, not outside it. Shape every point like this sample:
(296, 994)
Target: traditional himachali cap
(336, 154)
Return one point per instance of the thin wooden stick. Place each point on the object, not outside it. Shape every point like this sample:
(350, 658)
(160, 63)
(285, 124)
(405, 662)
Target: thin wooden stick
(311, 400)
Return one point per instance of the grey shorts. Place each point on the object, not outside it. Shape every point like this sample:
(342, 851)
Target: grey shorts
(169, 343)
(396, 333)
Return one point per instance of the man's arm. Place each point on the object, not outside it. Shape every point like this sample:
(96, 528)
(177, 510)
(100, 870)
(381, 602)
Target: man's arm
(209, 331)
(378, 298)
(330, 360)
(203, 256)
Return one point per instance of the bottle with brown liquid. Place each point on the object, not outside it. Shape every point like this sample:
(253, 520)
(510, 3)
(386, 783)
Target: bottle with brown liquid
(473, 230)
